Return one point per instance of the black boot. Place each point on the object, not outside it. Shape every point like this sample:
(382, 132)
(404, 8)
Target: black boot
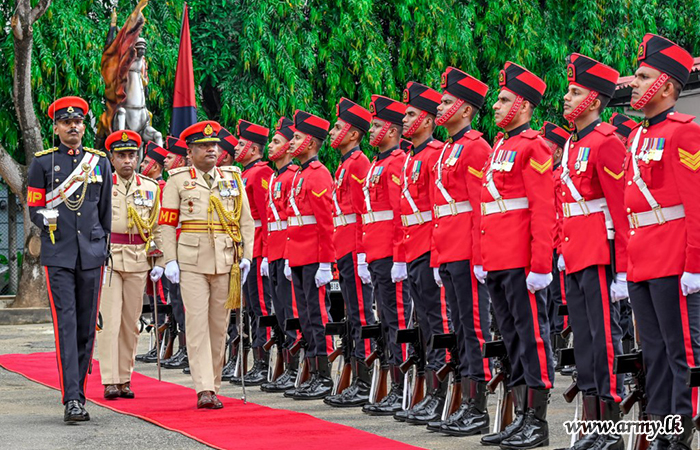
(432, 403)
(459, 413)
(662, 441)
(609, 411)
(520, 404)
(321, 384)
(683, 440)
(257, 375)
(590, 412)
(229, 370)
(476, 418)
(534, 431)
(289, 393)
(357, 394)
(286, 380)
(150, 356)
(178, 360)
(390, 404)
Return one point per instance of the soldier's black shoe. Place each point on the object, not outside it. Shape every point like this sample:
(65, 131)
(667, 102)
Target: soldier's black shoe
(317, 389)
(357, 394)
(258, 375)
(289, 393)
(683, 441)
(475, 417)
(228, 370)
(281, 384)
(75, 412)
(431, 410)
(520, 403)
(607, 442)
(178, 361)
(186, 370)
(389, 405)
(534, 432)
(148, 357)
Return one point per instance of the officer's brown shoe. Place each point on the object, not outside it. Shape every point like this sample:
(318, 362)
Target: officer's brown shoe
(205, 400)
(217, 403)
(125, 390)
(112, 391)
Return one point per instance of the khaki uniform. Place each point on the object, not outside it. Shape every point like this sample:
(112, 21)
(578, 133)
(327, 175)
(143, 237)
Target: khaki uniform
(122, 294)
(205, 255)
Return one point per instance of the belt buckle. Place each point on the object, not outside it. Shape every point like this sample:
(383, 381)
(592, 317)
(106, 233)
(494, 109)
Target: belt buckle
(501, 204)
(634, 221)
(370, 217)
(483, 209)
(419, 217)
(278, 222)
(584, 207)
(453, 207)
(659, 215)
(404, 222)
(566, 210)
(436, 210)
(343, 220)
(299, 220)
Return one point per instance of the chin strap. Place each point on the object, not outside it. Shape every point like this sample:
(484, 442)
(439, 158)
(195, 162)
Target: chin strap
(573, 115)
(336, 142)
(442, 120)
(517, 103)
(179, 162)
(416, 124)
(149, 167)
(380, 136)
(278, 154)
(305, 143)
(653, 89)
(242, 154)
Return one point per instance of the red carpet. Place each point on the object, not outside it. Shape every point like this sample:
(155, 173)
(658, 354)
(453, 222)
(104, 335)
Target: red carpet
(172, 406)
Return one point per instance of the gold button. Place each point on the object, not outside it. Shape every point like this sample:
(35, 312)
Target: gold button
(56, 180)
(75, 160)
(629, 210)
(78, 231)
(483, 231)
(644, 130)
(78, 213)
(578, 172)
(408, 236)
(632, 233)
(566, 239)
(629, 183)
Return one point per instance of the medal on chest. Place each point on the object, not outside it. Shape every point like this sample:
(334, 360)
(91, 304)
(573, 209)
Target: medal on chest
(228, 188)
(143, 198)
(581, 164)
(339, 181)
(277, 190)
(298, 188)
(415, 171)
(504, 161)
(454, 155)
(652, 149)
(376, 174)
(95, 175)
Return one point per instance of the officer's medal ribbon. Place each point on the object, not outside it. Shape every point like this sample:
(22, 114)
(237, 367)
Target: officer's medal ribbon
(582, 159)
(278, 190)
(415, 172)
(340, 177)
(454, 155)
(298, 188)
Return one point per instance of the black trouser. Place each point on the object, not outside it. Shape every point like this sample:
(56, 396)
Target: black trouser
(394, 307)
(282, 299)
(669, 328)
(176, 303)
(595, 322)
(165, 284)
(258, 303)
(431, 308)
(74, 296)
(556, 295)
(626, 320)
(314, 308)
(469, 310)
(358, 303)
(522, 320)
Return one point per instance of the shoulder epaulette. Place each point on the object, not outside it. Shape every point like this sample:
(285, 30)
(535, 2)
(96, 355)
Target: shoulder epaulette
(680, 117)
(97, 152)
(316, 164)
(435, 143)
(473, 135)
(231, 169)
(144, 177)
(605, 128)
(293, 167)
(398, 152)
(48, 151)
(178, 170)
(530, 134)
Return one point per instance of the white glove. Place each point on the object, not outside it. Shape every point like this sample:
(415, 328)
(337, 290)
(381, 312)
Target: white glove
(618, 288)
(690, 283)
(105, 275)
(362, 269)
(398, 272)
(287, 270)
(245, 269)
(323, 274)
(480, 274)
(156, 273)
(172, 272)
(436, 276)
(264, 268)
(46, 221)
(538, 281)
(561, 265)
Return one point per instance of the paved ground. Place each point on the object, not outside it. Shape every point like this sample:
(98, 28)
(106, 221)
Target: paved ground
(31, 415)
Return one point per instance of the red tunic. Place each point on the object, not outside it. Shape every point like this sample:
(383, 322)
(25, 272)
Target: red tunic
(256, 177)
(556, 230)
(349, 199)
(279, 188)
(673, 247)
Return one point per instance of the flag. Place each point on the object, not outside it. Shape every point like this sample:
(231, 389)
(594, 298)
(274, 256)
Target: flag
(184, 103)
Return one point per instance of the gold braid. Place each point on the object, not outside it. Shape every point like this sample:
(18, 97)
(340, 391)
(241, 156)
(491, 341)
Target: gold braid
(145, 228)
(230, 221)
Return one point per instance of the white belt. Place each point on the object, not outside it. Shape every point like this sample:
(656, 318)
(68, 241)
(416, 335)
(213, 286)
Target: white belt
(656, 216)
(504, 205)
(344, 219)
(584, 207)
(377, 216)
(416, 218)
(298, 221)
(257, 223)
(452, 209)
(277, 226)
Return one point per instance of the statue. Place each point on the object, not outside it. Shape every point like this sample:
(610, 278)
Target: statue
(125, 74)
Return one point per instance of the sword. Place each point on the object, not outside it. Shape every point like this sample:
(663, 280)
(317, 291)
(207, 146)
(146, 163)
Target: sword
(241, 350)
(155, 320)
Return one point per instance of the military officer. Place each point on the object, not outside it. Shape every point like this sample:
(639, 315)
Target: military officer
(383, 241)
(456, 234)
(252, 139)
(135, 207)
(420, 265)
(69, 198)
(309, 250)
(593, 221)
(662, 182)
(214, 252)
(353, 122)
(517, 218)
(273, 263)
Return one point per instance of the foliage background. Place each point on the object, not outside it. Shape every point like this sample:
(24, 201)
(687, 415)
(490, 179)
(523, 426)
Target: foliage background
(265, 58)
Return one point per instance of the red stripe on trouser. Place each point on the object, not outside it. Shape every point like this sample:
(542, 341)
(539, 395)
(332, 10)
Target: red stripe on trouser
(361, 303)
(54, 315)
(97, 314)
(324, 316)
(443, 313)
(609, 351)
(541, 353)
(476, 316)
(562, 288)
(400, 312)
(261, 296)
(688, 342)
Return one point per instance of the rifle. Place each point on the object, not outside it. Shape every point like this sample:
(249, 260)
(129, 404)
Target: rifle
(414, 382)
(276, 363)
(496, 349)
(243, 345)
(693, 380)
(343, 373)
(380, 371)
(633, 363)
(566, 356)
(449, 371)
(299, 347)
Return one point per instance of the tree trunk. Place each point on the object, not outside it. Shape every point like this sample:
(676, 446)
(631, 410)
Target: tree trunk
(31, 290)
(13, 270)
